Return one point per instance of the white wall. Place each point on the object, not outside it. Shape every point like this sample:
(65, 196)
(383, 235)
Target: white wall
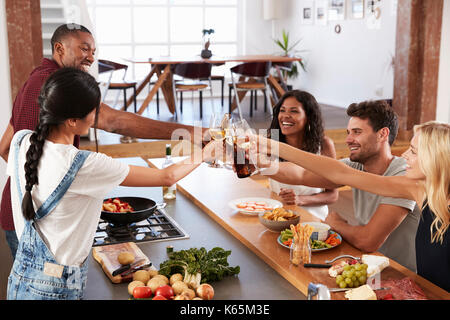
(443, 98)
(347, 67)
(5, 85)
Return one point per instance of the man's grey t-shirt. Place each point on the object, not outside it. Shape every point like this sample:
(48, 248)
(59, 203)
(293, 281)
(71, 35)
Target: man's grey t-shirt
(400, 245)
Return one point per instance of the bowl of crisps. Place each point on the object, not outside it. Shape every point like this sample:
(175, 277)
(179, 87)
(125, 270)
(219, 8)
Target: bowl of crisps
(278, 219)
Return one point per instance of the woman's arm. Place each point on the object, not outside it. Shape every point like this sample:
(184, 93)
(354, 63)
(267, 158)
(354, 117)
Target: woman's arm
(339, 173)
(150, 177)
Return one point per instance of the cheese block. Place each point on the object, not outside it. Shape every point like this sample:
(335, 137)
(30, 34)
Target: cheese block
(375, 264)
(361, 293)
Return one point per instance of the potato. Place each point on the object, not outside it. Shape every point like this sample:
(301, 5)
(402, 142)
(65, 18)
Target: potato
(197, 298)
(205, 291)
(175, 277)
(125, 258)
(152, 273)
(133, 285)
(181, 297)
(141, 275)
(155, 283)
(179, 286)
(166, 280)
(189, 293)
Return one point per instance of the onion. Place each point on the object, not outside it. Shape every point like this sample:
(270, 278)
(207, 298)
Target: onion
(205, 291)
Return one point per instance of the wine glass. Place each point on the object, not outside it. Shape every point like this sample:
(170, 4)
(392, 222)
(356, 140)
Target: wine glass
(217, 126)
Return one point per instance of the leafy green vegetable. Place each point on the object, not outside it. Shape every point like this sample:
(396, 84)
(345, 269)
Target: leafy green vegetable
(199, 265)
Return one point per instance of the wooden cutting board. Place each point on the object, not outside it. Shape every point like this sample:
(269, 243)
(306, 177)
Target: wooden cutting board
(107, 257)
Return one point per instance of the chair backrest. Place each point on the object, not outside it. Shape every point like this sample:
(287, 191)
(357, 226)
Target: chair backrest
(102, 67)
(193, 70)
(112, 64)
(253, 69)
(283, 65)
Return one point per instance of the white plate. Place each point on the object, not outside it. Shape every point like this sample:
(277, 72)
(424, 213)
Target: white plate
(270, 202)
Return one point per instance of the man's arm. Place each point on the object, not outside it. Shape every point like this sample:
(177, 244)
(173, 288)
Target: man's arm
(133, 125)
(6, 141)
(371, 236)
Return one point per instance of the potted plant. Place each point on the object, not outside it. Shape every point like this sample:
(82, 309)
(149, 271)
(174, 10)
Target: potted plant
(288, 49)
(206, 53)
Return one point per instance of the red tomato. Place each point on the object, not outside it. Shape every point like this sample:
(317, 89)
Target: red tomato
(165, 291)
(142, 292)
(159, 298)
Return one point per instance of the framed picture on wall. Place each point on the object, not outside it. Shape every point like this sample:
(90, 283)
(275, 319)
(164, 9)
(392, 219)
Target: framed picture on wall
(355, 9)
(307, 12)
(336, 10)
(321, 12)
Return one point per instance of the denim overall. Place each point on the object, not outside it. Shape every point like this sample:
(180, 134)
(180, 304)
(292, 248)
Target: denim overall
(35, 274)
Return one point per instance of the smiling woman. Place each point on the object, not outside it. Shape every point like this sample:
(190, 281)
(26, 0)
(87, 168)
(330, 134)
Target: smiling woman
(298, 122)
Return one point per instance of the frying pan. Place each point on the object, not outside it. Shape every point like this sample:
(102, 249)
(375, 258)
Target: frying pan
(142, 207)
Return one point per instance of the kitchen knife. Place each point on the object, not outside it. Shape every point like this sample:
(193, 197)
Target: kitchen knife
(126, 267)
(136, 268)
(316, 265)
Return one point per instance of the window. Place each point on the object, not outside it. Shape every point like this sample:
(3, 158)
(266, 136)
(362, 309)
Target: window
(146, 28)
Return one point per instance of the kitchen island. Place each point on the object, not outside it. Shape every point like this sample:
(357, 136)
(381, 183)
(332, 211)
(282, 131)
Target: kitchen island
(256, 280)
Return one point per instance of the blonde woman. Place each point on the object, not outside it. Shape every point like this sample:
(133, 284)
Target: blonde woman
(427, 181)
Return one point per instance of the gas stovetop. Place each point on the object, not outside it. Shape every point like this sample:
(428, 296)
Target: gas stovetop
(158, 227)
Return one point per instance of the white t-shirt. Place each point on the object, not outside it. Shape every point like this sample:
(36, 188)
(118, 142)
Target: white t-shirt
(69, 229)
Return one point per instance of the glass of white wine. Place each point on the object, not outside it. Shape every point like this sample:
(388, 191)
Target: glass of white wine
(217, 131)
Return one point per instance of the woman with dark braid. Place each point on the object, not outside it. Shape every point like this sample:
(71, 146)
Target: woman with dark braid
(57, 190)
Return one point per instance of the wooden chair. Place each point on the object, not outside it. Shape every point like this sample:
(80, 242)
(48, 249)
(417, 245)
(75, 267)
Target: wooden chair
(220, 78)
(123, 85)
(259, 72)
(190, 74)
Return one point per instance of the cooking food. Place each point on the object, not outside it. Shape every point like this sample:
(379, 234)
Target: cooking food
(116, 205)
(280, 214)
(376, 263)
(362, 293)
(125, 258)
(254, 206)
(400, 289)
(199, 265)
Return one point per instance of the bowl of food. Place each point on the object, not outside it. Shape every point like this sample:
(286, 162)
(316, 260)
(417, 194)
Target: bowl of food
(320, 231)
(278, 219)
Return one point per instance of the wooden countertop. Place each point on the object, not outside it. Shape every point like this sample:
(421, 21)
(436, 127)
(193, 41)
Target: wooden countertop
(211, 189)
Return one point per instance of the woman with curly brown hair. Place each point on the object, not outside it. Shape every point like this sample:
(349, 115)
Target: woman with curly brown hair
(298, 121)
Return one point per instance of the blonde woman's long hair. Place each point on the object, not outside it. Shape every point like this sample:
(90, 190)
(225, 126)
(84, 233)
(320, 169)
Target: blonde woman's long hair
(434, 161)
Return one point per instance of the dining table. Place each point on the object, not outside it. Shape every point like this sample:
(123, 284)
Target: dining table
(212, 190)
(161, 67)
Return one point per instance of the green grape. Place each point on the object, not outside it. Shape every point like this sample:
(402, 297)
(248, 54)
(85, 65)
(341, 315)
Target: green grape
(350, 285)
(356, 283)
(345, 273)
(347, 267)
(350, 273)
(348, 280)
(353, 278)
(357, 266)
(339, 278)
(342, 284)
(358, 274)
(362, 279)
(364, 266)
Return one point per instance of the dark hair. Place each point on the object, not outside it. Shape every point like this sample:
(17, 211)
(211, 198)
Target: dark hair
(67, 94)
(64, 30)
(313, 133)
(379, 113)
